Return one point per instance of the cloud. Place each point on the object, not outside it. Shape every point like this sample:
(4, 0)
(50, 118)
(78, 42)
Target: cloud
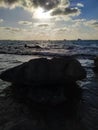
(11, 29)
(95, 24)
(25, 23)
(46, 4)
(8, 3)
(1, 20)
(91, 23)
(57, 7)
(61, 30)
(43, 25)
(54, 10)
(66, 11)
(80, 5)
(86, 25)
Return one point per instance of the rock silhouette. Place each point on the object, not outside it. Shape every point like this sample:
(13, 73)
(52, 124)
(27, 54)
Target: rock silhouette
(45, 70)
(47, 81)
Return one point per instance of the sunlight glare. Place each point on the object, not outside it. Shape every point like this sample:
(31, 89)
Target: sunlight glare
(41, 14)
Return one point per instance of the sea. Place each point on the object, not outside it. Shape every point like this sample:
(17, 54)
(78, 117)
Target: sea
(13, 53)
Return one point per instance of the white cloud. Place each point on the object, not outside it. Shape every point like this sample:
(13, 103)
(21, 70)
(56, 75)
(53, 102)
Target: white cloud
(80, 5)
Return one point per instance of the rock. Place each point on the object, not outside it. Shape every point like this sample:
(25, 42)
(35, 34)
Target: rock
(42, 70)
(46, 81)
(96, 65)
(36, 46)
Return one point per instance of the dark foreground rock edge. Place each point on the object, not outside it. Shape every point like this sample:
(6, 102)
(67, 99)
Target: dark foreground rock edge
(16, 115)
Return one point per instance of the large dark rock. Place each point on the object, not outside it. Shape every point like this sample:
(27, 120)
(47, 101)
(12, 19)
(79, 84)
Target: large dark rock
(46, 81)
(44, 70)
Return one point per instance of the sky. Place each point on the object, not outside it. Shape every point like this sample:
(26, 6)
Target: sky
(48, 19)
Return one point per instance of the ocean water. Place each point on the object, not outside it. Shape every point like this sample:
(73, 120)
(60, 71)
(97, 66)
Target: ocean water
(13, 53)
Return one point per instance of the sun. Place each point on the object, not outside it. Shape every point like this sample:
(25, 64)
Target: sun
(40, 13)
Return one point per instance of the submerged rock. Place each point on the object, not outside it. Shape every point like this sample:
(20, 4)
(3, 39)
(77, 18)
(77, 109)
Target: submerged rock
(42, 70)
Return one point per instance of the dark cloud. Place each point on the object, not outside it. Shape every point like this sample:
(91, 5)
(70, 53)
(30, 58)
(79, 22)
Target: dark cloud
(9, 2)
(46, 4)
(13, 3)
(66, 11)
